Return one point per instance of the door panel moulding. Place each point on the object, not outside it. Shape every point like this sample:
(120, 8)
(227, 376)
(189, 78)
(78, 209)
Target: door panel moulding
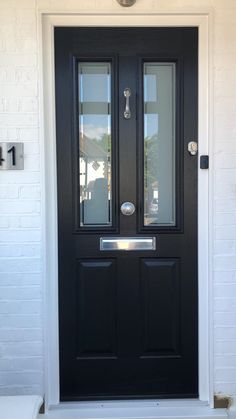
(46, 24)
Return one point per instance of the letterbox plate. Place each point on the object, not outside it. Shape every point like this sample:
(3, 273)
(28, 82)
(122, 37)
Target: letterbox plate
(127, 243)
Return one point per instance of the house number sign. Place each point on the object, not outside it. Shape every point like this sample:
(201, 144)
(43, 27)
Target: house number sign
(11, 156)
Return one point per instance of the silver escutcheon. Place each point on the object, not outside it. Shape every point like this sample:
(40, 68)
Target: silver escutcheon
(127, 94)
(193, 148)
(127, 208)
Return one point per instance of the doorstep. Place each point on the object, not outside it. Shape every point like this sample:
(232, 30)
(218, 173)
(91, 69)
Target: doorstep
(20, 407)
(141, 409)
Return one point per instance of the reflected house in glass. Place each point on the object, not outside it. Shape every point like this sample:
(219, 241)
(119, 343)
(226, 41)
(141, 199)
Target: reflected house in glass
(95, 178)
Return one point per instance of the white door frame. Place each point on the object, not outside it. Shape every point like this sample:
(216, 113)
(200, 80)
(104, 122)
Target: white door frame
(46, 23)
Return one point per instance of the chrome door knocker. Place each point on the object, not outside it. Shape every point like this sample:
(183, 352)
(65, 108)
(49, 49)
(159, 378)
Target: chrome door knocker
(127, 94)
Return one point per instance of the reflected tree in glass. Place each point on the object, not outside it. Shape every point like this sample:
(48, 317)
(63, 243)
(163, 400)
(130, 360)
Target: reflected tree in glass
(159, 144)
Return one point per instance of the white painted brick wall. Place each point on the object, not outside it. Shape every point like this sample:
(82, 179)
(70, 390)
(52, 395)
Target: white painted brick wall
(225, 197)
(21, 346)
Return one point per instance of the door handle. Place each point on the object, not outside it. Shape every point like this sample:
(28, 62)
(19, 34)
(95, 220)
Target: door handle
(127, 94)
(127, 208)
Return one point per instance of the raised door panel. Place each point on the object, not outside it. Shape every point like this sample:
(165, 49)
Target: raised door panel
(160, 307)
(96, 306)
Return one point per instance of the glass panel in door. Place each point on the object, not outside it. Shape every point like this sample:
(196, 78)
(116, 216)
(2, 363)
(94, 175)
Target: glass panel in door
(159, 144)
(95, 143)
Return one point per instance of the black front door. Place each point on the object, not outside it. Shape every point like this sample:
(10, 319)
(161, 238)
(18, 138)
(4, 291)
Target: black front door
(126, 109)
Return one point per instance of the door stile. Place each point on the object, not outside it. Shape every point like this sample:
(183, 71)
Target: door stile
(127, 144)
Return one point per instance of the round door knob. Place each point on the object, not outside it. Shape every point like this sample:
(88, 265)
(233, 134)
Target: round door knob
(127, 208)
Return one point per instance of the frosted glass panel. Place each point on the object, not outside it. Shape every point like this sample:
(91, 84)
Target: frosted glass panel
(95, 143)
(159, 144)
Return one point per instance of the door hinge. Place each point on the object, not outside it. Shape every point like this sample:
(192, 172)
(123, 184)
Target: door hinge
(204, 162)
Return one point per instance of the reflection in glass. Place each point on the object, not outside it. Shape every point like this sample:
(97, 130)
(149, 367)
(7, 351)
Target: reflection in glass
(95, 143)
(159, 144)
